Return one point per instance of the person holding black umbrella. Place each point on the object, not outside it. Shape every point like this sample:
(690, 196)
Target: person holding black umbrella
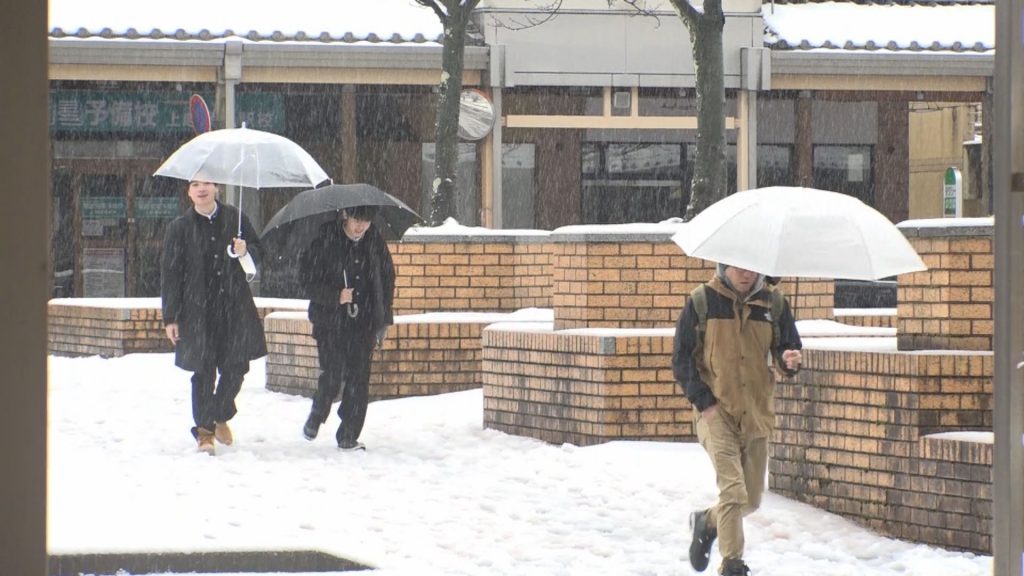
(348, 275)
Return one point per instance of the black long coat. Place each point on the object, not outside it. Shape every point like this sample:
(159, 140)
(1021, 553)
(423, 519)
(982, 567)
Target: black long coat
(321, 273)
(183, 288)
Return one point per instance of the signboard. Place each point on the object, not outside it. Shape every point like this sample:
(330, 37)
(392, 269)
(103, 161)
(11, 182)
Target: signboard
(157, 207)
(103, 207)
(200, 114)
(952, 194)
(103, 272)
(153, 111)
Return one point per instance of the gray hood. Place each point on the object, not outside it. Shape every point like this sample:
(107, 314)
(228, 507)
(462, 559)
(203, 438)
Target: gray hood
(758, 284)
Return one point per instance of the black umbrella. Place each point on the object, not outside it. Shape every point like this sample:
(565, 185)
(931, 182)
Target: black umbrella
(295, 226)
(297, 223)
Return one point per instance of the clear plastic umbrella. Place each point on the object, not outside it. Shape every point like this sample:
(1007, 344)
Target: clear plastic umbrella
(245, 158)
(799, 232)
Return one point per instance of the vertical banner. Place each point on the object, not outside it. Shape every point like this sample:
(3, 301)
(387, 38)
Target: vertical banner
(952, 194)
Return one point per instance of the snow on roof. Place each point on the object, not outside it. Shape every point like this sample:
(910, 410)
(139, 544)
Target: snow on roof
(943, 27)
(902, 25)
(394, 21)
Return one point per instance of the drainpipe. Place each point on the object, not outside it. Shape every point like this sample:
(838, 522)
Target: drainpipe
(229, 76)
(755, 68)
(496, 72)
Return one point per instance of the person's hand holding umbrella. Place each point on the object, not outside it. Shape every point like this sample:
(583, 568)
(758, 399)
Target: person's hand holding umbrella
(238, 247)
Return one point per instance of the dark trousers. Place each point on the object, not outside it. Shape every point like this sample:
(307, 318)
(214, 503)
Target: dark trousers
(345, 363)
(214, 401)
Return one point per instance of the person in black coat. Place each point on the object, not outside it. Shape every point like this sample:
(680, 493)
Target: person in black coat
(208, 310)
(349, 278)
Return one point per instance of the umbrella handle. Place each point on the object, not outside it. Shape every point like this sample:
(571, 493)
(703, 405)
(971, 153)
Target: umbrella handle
(245, 262)
(352, 307)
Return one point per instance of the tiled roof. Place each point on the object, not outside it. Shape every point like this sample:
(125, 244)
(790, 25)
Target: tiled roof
(328, 21)
(887, 2)
(945, 26)
(254, 35)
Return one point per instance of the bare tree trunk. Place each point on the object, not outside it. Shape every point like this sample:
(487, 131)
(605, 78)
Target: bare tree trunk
(454, 15)
(709, 174)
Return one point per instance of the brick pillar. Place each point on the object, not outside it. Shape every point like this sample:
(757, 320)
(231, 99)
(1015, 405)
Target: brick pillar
(621, 280)
(948, 306)
(471, 273)
(634, 280)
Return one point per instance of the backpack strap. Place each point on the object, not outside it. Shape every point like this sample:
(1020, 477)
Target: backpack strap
(700, 306)
(778, 303)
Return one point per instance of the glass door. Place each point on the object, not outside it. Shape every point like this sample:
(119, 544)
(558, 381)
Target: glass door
(109, 217)
(103, 220)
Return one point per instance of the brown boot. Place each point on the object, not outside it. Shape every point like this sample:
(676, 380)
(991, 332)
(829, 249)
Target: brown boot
(205, 439)
(223, 434)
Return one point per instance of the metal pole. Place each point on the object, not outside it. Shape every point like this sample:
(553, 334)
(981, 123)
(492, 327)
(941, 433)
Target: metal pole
(496, 74)
(230, 76)
(497, 168)
(1008, 191)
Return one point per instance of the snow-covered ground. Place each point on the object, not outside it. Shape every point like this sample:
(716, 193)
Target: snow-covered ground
(435, 493)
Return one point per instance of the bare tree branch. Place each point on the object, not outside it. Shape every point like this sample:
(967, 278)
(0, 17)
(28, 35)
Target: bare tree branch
(433, 5)
(550, 13)
(640, 6)
(689, 14)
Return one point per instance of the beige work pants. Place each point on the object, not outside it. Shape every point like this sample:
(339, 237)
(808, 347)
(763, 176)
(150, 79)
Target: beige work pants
(740, 464)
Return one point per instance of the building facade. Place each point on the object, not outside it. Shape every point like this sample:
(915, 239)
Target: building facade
(595, 108)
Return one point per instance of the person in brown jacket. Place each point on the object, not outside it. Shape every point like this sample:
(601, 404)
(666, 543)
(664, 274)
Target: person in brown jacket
(721, 357)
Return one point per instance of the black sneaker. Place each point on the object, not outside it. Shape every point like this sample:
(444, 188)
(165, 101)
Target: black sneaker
(734, 567)
(311, 427)
(703, 537)
(350, 445)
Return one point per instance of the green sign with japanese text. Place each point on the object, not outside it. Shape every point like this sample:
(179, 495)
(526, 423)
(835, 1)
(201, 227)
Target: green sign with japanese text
(152, 111)
(952, 193)
(103, 208)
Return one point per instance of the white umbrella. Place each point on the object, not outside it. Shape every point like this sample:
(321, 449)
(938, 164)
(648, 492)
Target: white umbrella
(246, 158)
(786, 231)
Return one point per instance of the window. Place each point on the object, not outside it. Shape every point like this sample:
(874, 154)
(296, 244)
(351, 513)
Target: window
(466, 207)
(846, 169)
(774, 165)
(518, 189)
(634, 182)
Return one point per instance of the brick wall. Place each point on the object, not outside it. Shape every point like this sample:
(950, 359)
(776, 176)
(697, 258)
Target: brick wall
(851, 439)
(422, 355)
(868, 318)
(810, 298)
(948, 306)
(639, 280)
(115, 327)
(89, 327)
(471, 273)
(583, 388)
